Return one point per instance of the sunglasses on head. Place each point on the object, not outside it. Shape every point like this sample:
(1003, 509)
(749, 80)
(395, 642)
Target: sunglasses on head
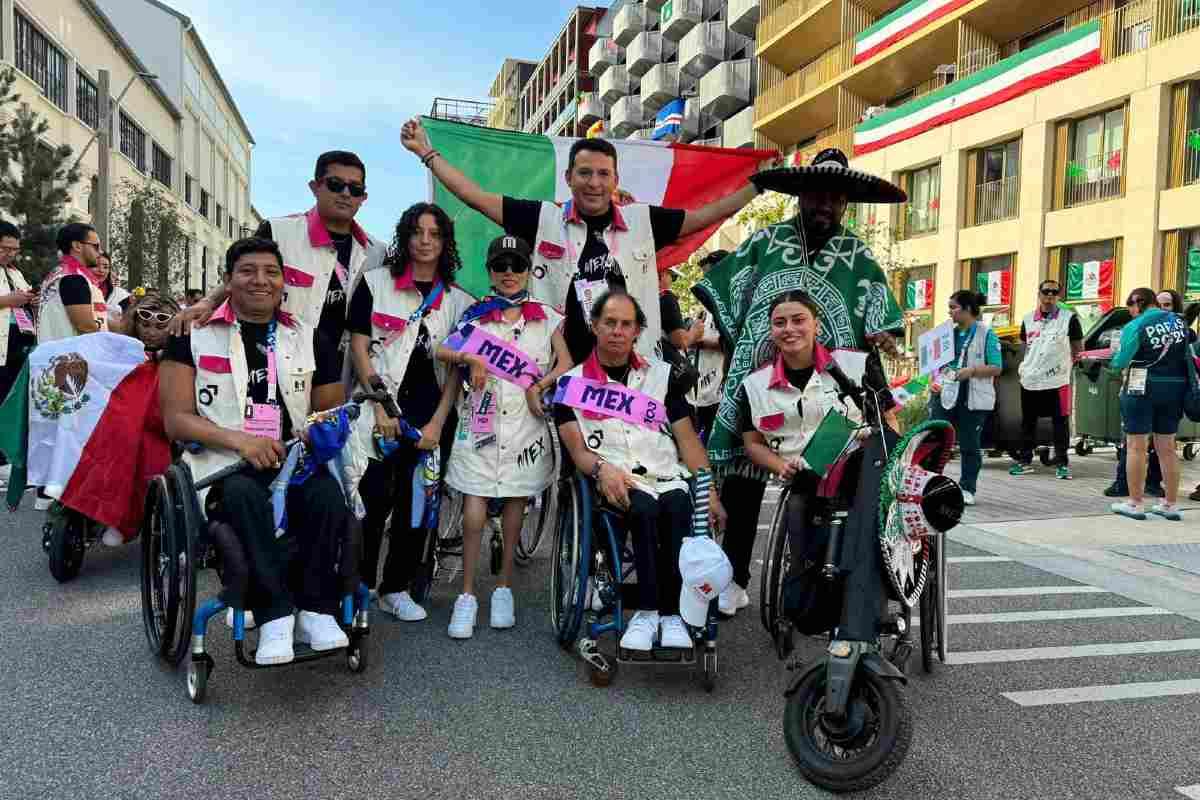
(161, 317)
(1050, 292)
(337, 186)
(509, 266)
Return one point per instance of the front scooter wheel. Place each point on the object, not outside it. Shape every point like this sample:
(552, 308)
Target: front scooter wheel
(860, 751)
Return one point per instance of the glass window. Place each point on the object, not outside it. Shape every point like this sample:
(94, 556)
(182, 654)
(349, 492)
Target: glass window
(38, 58)
(992, 277)
(1189, 283)
(161, 166)
(924, 200)
(87, 100)
(1095, 167)
(133, 142)
(1089, 277)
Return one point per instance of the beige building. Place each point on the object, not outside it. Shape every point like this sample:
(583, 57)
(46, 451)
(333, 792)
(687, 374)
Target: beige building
(1098, 171)
(506, 93)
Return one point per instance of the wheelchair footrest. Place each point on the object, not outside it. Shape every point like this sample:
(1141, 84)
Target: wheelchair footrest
(302, 653)
(657, 655)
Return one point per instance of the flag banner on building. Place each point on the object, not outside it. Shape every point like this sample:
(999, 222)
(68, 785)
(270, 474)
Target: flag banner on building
(1193, 271)
(530, 166)
(1053, 60)
(996, 287)
(669, 119)
(1090, 280)
(919, 295)
(95, 435)
(902, 23)
(596, 130)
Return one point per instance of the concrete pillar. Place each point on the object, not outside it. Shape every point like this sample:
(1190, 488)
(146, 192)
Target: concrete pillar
(945, 280)
(1037, 188)
(1146, 160)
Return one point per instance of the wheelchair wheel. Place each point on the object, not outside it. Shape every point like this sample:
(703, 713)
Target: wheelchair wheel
(775, 566)
(427, 571)
(496, 546)
(538, 518)
(184, 553)
(931, 632)
(160, 578)
(567, 587)
(65, 535)
(356, 655)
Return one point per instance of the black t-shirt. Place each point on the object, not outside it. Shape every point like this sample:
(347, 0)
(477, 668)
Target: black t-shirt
(419, 392)
(796, 377)
(677, 405)
(254, 340)
(333, 315)
(595, 262)
(1074, 329)
(75, 291)
(672, 316)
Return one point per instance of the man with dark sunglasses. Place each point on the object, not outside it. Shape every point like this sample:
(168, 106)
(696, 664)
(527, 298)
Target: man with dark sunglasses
(1053, 340)
(324, 250)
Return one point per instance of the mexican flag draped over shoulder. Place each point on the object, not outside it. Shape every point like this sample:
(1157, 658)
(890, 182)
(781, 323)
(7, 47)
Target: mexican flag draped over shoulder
(84, 421)
(531, 167)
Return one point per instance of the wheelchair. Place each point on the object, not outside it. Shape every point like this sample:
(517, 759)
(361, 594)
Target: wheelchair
(178, 539)
(592, 581)
(66, 536)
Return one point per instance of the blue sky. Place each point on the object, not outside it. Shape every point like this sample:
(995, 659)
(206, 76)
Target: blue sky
(310, 77)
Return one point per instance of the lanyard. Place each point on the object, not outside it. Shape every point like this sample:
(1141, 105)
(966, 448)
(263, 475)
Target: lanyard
(272, 368)
(967, 344)
(342, 275)
(427, 303)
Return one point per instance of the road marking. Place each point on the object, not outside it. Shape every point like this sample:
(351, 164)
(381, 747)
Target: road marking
(977, 560)
(1026, 591)
(1098, 694)
(1073, 651)
(1189, 791)
(1053, 615)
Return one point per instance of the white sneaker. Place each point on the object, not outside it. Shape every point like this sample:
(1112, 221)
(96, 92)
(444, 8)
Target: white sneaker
(503, 615)
(462, 620)
(401, 606)
(112, 538)
(320, 631)
(43, 503)
(732, 600)
(675, 633)
(639, 635)
(248, 620)
(275, 642)
(968, 498)
(1167, 511)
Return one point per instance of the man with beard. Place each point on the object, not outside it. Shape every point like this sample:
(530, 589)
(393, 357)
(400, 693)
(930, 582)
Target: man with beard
(72, 301)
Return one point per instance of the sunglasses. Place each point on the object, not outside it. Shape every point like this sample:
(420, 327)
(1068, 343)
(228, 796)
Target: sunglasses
(508, 266)
(337, 186)
(1050, 292)
(161, 317)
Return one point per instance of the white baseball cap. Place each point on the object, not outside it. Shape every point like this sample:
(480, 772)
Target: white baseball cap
(706, 572)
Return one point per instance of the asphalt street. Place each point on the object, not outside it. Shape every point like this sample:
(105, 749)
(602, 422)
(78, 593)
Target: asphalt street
(89, 713)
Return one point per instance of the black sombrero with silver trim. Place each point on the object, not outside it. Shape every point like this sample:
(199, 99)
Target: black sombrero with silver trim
(830, 171)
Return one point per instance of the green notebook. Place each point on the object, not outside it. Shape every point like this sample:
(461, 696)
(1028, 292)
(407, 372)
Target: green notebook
(828, 442)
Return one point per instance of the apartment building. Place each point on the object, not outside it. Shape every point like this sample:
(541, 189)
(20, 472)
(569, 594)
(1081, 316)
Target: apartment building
(506, 93)
(1047, 139)
(652, 52)
(213, 167)
(550, 100)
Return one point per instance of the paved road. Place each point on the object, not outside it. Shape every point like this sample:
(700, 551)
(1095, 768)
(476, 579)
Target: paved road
(90, 714)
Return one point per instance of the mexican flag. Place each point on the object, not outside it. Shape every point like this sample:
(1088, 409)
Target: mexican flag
(903, 391)
(996, 287)
(1193, 271)
(94, 434)
(531, 167)
(1062, 56)
(900, 24)
(919, 295)
(1090, 280)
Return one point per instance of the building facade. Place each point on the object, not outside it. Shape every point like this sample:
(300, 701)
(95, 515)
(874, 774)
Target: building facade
(550, 101)
(1036, 140)
(506, 93)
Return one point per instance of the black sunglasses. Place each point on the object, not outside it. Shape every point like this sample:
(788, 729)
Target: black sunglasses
(1050, 291)
(161, 317)
(337, 186)
(508, 266)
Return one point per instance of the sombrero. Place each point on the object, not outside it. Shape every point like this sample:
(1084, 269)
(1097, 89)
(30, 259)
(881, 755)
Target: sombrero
(830, 171)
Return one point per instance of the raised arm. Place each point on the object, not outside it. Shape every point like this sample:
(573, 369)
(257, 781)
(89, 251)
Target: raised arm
(416, 141)
(717, 210)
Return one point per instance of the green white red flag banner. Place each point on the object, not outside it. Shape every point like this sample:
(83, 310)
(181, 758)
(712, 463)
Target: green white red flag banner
(919, 295)
(1090, 280)
(996, 287)
(902, 23)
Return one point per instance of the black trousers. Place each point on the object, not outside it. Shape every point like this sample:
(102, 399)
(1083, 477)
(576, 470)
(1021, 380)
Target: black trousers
(1034, 406)
(386, 488)
(705, 417)
(657, 528)
(742, 498)
(298, 569)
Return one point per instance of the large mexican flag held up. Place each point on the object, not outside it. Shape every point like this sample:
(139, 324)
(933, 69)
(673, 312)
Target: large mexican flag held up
(531, 167)
(1053, 60)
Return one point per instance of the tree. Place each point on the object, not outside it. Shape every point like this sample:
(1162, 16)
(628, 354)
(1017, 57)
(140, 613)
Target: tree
(146, 237)
(35, 180)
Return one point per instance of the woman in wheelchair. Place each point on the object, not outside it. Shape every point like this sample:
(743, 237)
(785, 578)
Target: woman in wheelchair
(624, 426)
(503, 446)
(236, 386)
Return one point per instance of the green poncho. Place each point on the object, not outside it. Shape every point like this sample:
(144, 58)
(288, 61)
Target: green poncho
(846, 281)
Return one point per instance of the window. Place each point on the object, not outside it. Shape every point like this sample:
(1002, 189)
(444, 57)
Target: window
(41, 61)
(1096, 157)
(87, 100)
(921, 212)
(204, 203)
(187, 189)
(917, 301)
(1089, 278)
(133, 142)
(998, 182)
(993, 278)
(161, 166)
(1191, 137)
(1189, 279)
(1042, 34)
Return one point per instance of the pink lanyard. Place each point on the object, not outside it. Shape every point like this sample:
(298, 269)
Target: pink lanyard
(342, 274)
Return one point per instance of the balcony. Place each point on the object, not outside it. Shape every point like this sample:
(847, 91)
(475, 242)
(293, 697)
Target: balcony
(738, 130)
(626, 116)
(647, 49)
(590, 109)
(629, 21)
(806, 101)
(1191, 157)
(793, 32)
(725, 89)
(603, 54)
(659, 86)
(997, 200)
(691, 120)
(680, 16)
(743, 17)
(842, 140)
(616, 83)
(1095, 178)
(702, 48)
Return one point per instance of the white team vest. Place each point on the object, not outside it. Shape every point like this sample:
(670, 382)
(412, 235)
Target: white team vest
(519, 462)
(630, 446)
(802, 410)
(554, 270)
(982, 391)
(6, 314)
(711, 365)
(1047, 362)
(52, 322)
(115, 299)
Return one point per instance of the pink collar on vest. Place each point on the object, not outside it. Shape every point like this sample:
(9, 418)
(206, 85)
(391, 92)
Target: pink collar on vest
(594, 371)
(318, 234)
(404, 281)
(224, 314)
(73, 266)
(571, 214)
(1038, 316)
(821, 361)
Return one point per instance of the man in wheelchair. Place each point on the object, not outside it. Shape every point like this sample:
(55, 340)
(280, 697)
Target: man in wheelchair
(240, 386)
(631, 432)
